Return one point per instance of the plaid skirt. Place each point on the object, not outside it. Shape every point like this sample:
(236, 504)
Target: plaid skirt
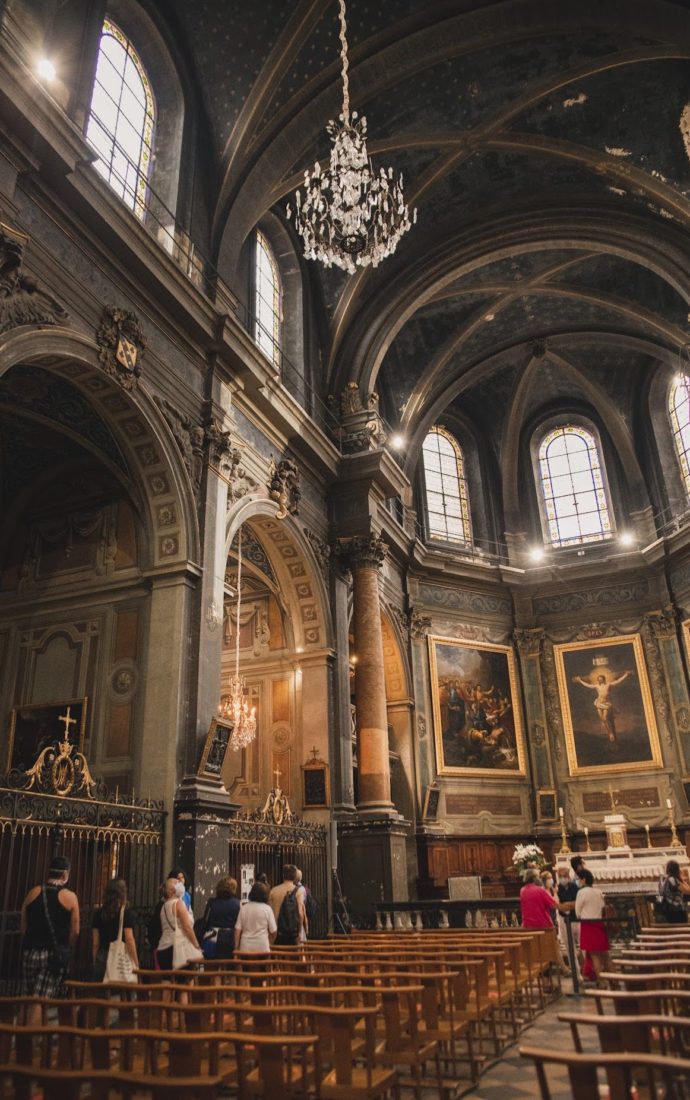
(37, 980)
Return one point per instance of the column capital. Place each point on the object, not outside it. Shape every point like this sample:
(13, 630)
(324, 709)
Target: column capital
(363, 551)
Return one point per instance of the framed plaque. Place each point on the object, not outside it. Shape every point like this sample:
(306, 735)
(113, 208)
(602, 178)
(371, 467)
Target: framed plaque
(315, 787)
(215, 748)
(546, 805)
(431, 800)
(36, 726)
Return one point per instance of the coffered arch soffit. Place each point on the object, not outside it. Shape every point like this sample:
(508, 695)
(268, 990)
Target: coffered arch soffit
(299, 584)
(152, 470)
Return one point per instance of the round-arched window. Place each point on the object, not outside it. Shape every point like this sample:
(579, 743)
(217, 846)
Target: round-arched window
(447, 501)
(679, 411)
(576, 504)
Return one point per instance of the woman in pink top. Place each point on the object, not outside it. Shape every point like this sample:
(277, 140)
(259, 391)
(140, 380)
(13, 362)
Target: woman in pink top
(536, 904)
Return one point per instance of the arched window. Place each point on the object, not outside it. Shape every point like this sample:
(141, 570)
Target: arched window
(573, 487)
(122, 117)
(447, 503)
(679, 411)
(267, 300)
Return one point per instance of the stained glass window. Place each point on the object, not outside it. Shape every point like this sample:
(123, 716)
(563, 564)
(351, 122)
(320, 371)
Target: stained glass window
(448, 511)
(121, 119)
(267, 301)
(572, 483)
(679, 409)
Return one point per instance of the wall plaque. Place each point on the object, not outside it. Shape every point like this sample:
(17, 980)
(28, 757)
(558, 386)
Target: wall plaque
(431, 800)
(315, 792)
(472, 804)
(635, 798)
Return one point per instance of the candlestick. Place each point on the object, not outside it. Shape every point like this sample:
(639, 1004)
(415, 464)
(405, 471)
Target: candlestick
(646, 829)
(669, 804)
(560, 811)
(587, 839)
(675, 839)
(565, 849)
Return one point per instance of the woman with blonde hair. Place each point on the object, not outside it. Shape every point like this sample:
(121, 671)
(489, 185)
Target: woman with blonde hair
(174, 914)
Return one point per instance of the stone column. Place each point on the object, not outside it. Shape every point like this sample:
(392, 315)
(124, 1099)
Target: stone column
(343, 793)
(366, 555)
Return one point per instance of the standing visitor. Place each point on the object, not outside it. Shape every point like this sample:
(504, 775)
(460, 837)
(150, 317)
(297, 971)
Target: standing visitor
(174, 913)
(288, 910)
(536, 903)
(673, 887)
(183, 887)
(302, 896)
(220, 918)
(50, 927)
(256, 928)
(105, 927)
(589, 909)
(566, 892)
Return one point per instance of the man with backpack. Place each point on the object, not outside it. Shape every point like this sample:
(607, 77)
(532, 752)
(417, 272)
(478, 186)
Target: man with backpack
(288, 907)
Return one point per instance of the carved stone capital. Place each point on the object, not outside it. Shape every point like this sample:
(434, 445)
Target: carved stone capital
(284, 487)
(361, 424)
(363, 551)
(190, 438)
(21, 300)
(420, 625)
(219, 446)
(322, 551)
(529, 642)
(661, 624)
(121, 345)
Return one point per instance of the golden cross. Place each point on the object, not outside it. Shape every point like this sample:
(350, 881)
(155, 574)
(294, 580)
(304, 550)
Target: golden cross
(68, 722)
(315, 752)
(277, 773)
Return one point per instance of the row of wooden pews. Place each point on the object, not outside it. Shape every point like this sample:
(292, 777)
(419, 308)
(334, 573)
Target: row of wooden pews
(641, 1017)
(349, 1018)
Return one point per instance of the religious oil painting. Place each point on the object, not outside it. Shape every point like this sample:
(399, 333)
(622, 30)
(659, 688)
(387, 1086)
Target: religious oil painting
(477, 723)
(36, 726)
(607, 708)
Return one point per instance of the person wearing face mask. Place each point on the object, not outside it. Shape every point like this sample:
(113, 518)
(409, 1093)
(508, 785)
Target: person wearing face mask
(183, 887)
(566, 889)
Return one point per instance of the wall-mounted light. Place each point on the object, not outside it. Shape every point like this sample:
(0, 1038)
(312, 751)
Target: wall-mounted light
(626, 538)
(536, 554)
(397, 442)
(46, 69)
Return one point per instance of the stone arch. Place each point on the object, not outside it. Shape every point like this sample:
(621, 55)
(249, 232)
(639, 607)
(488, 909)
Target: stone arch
(156, 477)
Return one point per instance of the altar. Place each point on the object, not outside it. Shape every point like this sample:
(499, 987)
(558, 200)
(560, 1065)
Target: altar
(620, 869)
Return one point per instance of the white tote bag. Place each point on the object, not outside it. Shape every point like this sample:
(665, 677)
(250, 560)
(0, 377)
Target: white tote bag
(119, 966)
(184, 952)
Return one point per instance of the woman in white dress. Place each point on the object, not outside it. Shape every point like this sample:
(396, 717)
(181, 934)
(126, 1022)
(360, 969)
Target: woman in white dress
(255, 928)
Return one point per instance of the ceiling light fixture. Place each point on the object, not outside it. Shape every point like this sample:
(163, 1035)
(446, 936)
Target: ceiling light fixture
(235, 708)
(46, 69)
(536, 553)
(350, 215)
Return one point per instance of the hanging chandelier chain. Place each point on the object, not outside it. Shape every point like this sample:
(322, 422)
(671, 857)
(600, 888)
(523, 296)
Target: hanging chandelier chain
(239, 602)
(345, 63)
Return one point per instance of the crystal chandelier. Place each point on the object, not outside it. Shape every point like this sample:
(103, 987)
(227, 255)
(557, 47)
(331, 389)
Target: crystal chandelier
(236, 708)
(350, 215)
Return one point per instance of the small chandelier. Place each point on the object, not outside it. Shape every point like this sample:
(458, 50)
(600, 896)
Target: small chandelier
(236, 708)
(350, 215)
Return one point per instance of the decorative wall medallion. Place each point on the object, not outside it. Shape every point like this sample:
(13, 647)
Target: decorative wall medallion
(121, 344)
(168, 545)
(21, 301)
(123, 681)
(281, 737)
(167, 516)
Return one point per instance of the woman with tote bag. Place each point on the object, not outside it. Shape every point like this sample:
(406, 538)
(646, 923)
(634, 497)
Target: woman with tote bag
(112, 937)
(178, 946)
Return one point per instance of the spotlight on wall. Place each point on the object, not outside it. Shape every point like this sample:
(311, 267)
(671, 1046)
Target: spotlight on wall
(397, 442)
(536, 554)
(46, 69)
(626, 538)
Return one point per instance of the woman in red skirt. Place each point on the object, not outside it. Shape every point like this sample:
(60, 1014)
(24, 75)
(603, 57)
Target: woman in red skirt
(589, 909)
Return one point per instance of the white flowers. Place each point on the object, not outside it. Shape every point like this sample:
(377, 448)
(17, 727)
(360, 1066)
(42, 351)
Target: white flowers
(528, 854)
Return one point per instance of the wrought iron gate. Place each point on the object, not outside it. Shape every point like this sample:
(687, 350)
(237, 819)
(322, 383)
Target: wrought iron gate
(259, 841)
(103, 839)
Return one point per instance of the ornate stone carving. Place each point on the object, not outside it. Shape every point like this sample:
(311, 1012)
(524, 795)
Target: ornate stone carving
(529, 642)
(121, 345)
(456, 599)
(361, 423)
(365, 551)
(421, 727)
(420, 625)
(594, 597)
(284, 487)
(661, 624)
(239, 481)
(21, 301)
(322, 551)
(399, 616)
(219, 446)
(189, 438)
(552, 706)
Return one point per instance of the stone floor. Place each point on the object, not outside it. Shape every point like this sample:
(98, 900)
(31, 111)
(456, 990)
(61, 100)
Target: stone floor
(513, 1077)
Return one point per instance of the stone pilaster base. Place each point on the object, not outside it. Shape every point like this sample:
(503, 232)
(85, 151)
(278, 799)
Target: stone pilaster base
(202, 814)
(372, 863)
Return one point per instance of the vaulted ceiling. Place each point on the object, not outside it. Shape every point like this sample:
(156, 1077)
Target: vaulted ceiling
(541, 143)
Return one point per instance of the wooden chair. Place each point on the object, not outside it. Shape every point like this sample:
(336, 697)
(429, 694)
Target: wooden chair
(669, 1035)
(661, 1076)
(22, 1082)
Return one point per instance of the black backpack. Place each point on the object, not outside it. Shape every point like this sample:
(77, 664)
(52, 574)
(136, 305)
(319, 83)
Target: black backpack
(288, 918)
(311, 905)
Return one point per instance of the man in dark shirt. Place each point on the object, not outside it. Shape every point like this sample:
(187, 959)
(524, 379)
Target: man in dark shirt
(567, 892)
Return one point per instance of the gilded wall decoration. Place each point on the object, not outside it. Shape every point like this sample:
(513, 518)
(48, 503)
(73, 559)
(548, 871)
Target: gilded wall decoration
(477, 724)
(608, 715)
(121, 345)
(21, 300)
(36, 727)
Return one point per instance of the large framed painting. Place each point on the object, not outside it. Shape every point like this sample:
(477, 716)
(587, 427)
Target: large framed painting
(36, 726)
(477, 725)
(607, 706)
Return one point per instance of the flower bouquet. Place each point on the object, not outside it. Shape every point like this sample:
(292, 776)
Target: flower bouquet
(528, 855)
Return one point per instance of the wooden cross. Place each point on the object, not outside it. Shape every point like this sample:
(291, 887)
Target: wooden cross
(68, 722)
(277, 773)
(315, 752)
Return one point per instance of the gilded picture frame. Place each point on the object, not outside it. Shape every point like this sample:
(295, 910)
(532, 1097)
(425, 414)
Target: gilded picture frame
(476, 707)
(215, 749)
(606, 704)
(35, 726)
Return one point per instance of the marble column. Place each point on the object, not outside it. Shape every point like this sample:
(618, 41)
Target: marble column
(366, 555)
